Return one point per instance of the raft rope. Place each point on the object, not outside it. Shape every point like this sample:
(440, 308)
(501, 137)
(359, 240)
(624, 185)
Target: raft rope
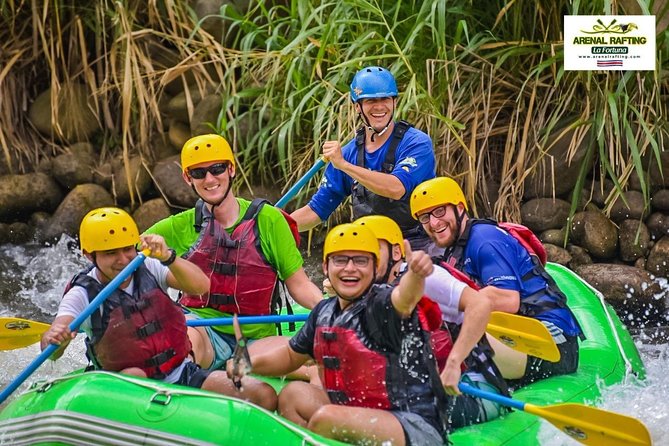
(629, 370)
(43, 386)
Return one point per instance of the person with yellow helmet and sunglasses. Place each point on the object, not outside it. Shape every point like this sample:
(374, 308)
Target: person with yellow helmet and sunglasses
(245, 247)
(139, 330)
(503, 264)
(380, 383)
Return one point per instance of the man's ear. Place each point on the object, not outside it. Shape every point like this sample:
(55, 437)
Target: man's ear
(397, 253)
(88, 256)
(325, 268)
(232, 170)
(187, 178)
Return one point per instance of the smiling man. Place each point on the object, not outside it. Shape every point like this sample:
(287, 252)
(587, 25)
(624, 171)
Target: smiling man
(244, 247)
(380, 167)
(380, 383)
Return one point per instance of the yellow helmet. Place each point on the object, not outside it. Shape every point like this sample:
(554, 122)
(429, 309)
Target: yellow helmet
(350, 237)
(435, 192)
(384, 228)
(204, 149)
(104, 229)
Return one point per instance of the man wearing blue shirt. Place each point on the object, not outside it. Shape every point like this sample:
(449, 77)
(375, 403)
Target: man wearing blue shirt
(380, 167)
(506, 272)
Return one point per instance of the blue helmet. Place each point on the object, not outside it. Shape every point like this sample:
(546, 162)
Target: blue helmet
(373, 82)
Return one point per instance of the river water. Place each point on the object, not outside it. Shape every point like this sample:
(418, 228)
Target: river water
(32, 279)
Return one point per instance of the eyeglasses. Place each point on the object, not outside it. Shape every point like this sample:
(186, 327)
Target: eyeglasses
(437, 212)
(341, 261)
(215, 169)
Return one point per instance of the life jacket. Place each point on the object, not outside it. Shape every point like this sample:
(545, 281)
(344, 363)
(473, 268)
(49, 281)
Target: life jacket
(357, 372)
(242, 279)
(145, 329)
(366, 202)
(549, 298)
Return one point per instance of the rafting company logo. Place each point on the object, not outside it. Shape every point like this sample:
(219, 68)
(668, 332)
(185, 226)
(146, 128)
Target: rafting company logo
(575, 433)
(17, 325)
(609, 43)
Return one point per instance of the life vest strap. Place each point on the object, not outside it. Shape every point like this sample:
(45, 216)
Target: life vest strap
(331, 362)
(160, 358)
(337, 397)
(221, 299)
(226, 269)
(147, 330)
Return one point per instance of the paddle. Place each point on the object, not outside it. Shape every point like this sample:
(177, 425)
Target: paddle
(518, 332)
(18, 333)
(524, 334)
(74, 325)
(241, 360)
(585, 424)
(300, 183)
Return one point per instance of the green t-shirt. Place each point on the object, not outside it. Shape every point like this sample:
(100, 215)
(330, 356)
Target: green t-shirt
(276, 241)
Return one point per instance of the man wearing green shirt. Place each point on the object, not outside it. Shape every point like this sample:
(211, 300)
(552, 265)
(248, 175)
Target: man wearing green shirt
(245, 247)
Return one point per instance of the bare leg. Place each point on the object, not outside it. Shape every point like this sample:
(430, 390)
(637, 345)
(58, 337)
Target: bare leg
(252, 390)
(134, 371)
(510, 362)
(201, 345)
(298, 401)
(357, 425)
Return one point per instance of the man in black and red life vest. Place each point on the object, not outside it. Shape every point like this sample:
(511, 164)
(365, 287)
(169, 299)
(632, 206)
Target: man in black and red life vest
(139, 330)
(501, 263)
(457, 334)
(380, 383)
(247, 248)
(380, 167)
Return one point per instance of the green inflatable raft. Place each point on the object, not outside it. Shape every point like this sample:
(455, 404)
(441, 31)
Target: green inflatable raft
(111, 409)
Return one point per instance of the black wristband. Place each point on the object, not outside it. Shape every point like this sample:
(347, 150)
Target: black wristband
(170, 260)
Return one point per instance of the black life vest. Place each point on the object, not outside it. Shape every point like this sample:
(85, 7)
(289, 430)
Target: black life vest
(356, 371)
(366, 202)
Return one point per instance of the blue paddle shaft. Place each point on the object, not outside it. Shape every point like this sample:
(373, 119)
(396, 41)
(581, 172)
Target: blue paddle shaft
(93, 306)
(473, 391)
(300, 183)
(245, 320)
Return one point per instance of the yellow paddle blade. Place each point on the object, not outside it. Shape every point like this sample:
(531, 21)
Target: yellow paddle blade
(19, 333)
(524, 334)
(593, 426)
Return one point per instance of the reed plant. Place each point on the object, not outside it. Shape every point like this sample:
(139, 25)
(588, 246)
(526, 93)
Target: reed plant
(484, 79)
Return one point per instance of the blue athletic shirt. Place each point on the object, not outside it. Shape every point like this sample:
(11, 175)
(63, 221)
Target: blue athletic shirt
(494, 257)
(414, 163)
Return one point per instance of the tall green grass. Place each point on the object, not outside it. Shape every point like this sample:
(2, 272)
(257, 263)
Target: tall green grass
(484, 79)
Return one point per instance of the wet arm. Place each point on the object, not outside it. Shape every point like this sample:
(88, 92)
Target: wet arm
(306, 218)
(507, 301)
(58, 334)
(303, 290)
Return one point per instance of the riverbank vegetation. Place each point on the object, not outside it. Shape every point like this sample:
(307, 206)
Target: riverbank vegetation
(484, 79)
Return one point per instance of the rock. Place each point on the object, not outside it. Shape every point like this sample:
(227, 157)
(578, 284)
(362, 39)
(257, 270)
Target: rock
(205, 115)
(169, 181)
(150, 212)
(635, 209)
(658, 259)
(67, 217)
(70, 169)
(178, 133)
(658, 225)
(103, 176)
(596, 233)
(579, 256)
(553, 236)
(633, 238)
(660, 200)
(555, 172)
(598, 192)
(557, 254)
(75, 117)
(162, 148)
(178, 107)
(21, 195)
(19, 233)
(634, 293)
(139, 180)
(540, 214)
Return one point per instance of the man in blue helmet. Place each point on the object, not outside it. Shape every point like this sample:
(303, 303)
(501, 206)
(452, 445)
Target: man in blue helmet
(380, 167)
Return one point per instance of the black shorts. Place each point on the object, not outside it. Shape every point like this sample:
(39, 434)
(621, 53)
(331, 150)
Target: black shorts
(538, 368)
(192, 375)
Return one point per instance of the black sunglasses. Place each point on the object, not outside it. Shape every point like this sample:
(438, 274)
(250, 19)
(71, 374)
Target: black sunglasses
(215, 169)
